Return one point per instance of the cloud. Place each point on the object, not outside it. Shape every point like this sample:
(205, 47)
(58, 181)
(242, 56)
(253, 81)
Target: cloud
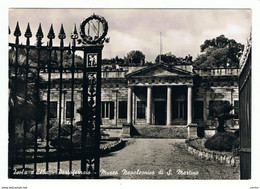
(183, 30)
(121, 43)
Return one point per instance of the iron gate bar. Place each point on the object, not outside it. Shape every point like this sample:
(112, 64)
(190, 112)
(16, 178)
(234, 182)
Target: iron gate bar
(61, 37)
(39, 36)
(50, 36)
(74, 36)
(48, 102)
(78, 70)
(17, 33)
(11, 124)
(80, 48)
(98, 121)
(28, 35)
(84, 118)
(67, 48)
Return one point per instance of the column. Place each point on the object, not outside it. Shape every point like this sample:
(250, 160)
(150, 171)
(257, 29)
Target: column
(189, 104)
(169, 106)
(149, 105)
(134, 104)
(129, 106)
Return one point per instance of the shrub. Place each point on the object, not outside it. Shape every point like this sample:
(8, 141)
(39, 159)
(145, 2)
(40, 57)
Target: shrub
(64, 142)
(39, 130)
(226, 141)
(64, 135)
(197, 143)
(65, 131)
(77, 138)
(30, 139)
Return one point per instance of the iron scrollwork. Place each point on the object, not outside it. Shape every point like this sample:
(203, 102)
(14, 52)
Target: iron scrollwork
(99, 30)
(92, 80)
(91, 60)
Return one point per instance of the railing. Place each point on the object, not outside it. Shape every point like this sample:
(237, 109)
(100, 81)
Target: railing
(79, 74)
(113, 74)
(217, 72)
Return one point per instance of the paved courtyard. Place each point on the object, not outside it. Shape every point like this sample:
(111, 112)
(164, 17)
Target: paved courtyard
(161, 159)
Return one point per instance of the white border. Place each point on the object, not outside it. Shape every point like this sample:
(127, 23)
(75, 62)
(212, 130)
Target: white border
(253, 4)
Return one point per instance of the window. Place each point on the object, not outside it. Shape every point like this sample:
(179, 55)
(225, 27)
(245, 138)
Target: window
(69, 105)
(107, 109)
(198, 109)
(141, 109)
(53, 109)
(236, 108)
(122, 109)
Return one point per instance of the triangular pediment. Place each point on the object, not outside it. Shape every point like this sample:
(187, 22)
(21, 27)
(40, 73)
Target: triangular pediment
(160, 70)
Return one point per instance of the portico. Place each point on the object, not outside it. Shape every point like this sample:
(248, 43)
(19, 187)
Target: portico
(166, 97)
(161, 111)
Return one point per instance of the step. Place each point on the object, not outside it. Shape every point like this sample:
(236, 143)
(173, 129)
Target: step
(160, 131)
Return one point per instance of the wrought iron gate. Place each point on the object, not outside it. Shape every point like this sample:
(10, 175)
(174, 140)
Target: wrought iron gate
(40, 144)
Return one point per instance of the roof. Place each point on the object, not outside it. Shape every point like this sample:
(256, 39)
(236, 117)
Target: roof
(160, 70)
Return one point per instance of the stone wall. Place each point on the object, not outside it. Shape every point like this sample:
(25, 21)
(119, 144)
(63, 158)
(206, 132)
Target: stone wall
(220, 157)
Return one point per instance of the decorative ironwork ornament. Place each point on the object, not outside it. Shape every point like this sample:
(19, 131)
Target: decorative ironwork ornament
(93, 30)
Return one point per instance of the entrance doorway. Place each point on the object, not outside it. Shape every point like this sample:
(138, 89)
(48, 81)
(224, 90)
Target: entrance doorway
(179, 113)
(160, 112)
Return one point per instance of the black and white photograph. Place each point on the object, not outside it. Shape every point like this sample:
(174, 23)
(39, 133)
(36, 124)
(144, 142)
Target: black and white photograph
(129, 94)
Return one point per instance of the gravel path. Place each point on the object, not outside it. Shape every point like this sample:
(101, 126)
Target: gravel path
(153, 159)
(147, 158)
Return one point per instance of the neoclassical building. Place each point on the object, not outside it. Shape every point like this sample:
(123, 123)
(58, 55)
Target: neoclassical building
(165, 94)
(155, 94)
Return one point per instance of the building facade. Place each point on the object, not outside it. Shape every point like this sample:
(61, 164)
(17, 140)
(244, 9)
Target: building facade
(154, 94)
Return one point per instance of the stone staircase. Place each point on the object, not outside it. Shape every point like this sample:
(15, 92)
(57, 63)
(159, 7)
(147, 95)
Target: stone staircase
(160, 131)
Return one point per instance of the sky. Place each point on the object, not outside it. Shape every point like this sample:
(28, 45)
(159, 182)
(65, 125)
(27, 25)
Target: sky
(182, 30)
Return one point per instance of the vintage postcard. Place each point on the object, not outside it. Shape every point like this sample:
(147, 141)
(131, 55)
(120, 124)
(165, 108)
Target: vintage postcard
(148, 94)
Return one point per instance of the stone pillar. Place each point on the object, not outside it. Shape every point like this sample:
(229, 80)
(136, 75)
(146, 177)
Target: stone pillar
(133, 107)
(129, 106)
(189, 105)
(169, 106)
(127, 126)
(149, 105)
(189, 108)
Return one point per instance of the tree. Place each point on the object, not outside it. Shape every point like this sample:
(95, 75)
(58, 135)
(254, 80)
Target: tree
(115, 60)
(172, 59)
(221, 110)
(135, 57)
(55, 57)
(167, 58)
(25, 105)
(219, 52)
